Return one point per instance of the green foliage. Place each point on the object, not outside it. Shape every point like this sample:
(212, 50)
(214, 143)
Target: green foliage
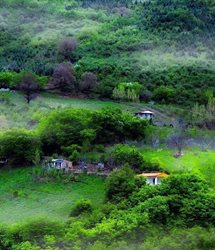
(20, 147)
(124, 154)
(184, 185)
(120, 184)
(113, 125)
(118, 44)
(157, 209)
(127, 91)
(33, 230)
(10, 79)
(64, 128)
(82, 206)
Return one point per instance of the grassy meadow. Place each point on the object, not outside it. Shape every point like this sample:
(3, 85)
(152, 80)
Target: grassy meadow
(16, 113)
(22, 198)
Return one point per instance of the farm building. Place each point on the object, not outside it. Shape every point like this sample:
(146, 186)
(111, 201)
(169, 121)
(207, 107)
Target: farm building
(145, 114)
(154, 178)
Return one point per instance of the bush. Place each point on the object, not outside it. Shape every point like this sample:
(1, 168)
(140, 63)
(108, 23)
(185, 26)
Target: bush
(82, 206)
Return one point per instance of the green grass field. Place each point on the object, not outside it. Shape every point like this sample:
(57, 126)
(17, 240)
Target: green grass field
(53, 199)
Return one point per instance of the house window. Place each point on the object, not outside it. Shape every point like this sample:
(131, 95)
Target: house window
(153, 180)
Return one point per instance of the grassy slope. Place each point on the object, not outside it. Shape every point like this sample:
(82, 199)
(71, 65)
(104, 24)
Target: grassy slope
(194, 160)
(16, 113)
(53, 199)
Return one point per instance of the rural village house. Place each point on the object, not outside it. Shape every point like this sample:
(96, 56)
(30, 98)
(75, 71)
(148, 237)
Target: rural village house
(60, 164)
(145, 114)
(154, 178)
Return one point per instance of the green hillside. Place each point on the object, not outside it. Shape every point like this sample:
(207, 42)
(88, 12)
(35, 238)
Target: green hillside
(166, 46)
(107, 124)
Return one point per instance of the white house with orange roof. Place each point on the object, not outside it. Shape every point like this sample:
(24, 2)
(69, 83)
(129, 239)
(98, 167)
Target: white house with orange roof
(154, 178)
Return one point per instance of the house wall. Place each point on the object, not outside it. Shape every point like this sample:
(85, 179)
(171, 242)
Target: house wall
(150, 181)
(145, 116)
(153, 181)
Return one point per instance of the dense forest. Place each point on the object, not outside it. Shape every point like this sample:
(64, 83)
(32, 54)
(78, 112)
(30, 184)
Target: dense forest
(166, 46)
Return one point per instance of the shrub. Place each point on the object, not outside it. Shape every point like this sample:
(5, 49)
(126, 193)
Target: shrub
(82, 206)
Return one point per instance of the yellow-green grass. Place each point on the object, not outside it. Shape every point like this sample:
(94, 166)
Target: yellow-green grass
(194, 160)
(53, 199)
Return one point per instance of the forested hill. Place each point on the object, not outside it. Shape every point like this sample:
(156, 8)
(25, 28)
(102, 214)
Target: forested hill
(165, 45)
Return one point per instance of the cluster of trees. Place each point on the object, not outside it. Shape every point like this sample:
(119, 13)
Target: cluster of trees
(70, 131)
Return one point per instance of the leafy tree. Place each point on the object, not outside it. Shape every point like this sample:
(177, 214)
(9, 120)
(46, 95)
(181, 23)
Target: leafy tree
(88, 82)
(63, 79)
(112, 126)
(124, 154)
(157, 209)
(29, 86)
(185, 185)
(120, 184)
(200, 210)
(20, 147)
(66, 47)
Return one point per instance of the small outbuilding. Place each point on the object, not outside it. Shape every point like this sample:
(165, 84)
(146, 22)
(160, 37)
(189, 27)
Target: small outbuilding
(154, 178)
(145, 114)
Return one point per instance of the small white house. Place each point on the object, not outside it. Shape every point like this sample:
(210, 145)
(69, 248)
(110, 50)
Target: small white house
(60, 164)
(148, 115)
(154, 178)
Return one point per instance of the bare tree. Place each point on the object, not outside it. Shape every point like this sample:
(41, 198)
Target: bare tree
(178, 139)
(63, 78)
(88, 82)
(67, 46)
(29, 86)
(122, 11)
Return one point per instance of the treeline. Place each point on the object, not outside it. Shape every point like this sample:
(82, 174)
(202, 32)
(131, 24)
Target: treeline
(70, 132)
